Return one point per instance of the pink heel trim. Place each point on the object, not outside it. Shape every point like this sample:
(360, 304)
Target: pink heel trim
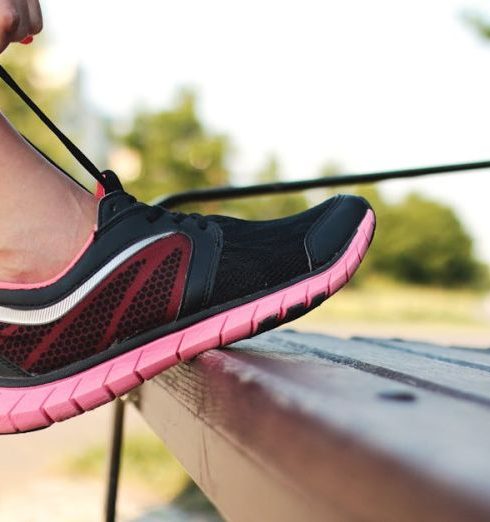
(30, 286)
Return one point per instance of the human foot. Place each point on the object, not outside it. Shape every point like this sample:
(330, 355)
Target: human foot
(154, 288)
(45, 218)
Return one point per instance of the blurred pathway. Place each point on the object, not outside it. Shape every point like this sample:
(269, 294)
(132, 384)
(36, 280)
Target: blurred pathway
(33, 488)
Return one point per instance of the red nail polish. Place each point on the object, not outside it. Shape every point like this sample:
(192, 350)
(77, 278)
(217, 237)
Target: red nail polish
(27, 40)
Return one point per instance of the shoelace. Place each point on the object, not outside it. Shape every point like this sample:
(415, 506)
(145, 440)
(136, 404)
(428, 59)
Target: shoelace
(156, 212)
(108, 179)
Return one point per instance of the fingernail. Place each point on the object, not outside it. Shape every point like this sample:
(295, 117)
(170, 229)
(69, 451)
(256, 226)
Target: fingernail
(27, 40)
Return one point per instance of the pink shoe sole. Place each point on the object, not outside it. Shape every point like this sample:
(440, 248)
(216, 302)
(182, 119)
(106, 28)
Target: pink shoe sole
(27, 409)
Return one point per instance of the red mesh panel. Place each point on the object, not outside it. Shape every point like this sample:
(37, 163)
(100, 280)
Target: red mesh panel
(143, 293)
(145, 309)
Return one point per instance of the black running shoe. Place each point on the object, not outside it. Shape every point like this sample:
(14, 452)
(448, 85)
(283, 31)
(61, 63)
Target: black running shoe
(152, 288)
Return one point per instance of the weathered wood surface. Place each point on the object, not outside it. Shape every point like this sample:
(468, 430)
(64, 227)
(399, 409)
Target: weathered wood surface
(305, 427)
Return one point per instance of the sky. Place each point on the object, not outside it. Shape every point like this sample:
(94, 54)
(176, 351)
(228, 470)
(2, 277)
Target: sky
(365, 85)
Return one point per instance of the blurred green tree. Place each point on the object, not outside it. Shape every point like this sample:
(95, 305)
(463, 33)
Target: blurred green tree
(479, 21)
(177, 152)
(422, 241)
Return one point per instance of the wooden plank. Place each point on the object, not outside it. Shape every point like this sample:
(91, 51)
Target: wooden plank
(433, 374)
(476, 358)
(281, 428)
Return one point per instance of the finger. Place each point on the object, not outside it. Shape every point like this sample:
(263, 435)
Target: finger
(22, 29)
(35, 16)
(9, 22)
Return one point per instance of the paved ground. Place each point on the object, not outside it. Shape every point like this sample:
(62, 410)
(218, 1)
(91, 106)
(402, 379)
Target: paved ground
(53, 499)
(32, 487)
(41, 451)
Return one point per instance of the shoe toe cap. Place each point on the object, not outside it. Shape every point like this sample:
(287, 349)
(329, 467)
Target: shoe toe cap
(334, 229)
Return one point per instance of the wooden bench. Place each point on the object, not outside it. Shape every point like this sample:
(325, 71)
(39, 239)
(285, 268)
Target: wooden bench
(306, 427)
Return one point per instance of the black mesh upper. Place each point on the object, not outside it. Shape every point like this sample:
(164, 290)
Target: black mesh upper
(262, 254)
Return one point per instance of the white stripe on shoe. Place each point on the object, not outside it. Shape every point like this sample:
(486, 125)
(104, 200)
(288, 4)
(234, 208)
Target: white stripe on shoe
(57, 310)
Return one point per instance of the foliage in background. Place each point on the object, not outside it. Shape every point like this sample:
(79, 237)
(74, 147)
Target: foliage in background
(482, 26)
(478, 21)
(177, 152)
(422, 241)
(145, 461)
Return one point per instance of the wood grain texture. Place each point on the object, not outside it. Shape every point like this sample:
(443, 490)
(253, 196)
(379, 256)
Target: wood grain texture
(292, 427)
(476, 358)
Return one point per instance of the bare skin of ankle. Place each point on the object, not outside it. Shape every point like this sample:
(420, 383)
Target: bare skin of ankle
(45, 217)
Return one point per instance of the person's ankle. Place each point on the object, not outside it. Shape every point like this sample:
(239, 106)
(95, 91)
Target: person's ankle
(40, 245)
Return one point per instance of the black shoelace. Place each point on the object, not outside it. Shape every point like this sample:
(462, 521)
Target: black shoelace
(110, 181)
(156, 212)
(107, 178)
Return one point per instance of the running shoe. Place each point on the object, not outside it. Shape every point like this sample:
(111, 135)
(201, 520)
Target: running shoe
(152, 288)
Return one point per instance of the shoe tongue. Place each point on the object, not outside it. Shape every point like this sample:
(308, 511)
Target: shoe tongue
(112, 204)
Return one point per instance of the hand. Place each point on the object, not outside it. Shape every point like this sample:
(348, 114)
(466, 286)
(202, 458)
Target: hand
(19, 19)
